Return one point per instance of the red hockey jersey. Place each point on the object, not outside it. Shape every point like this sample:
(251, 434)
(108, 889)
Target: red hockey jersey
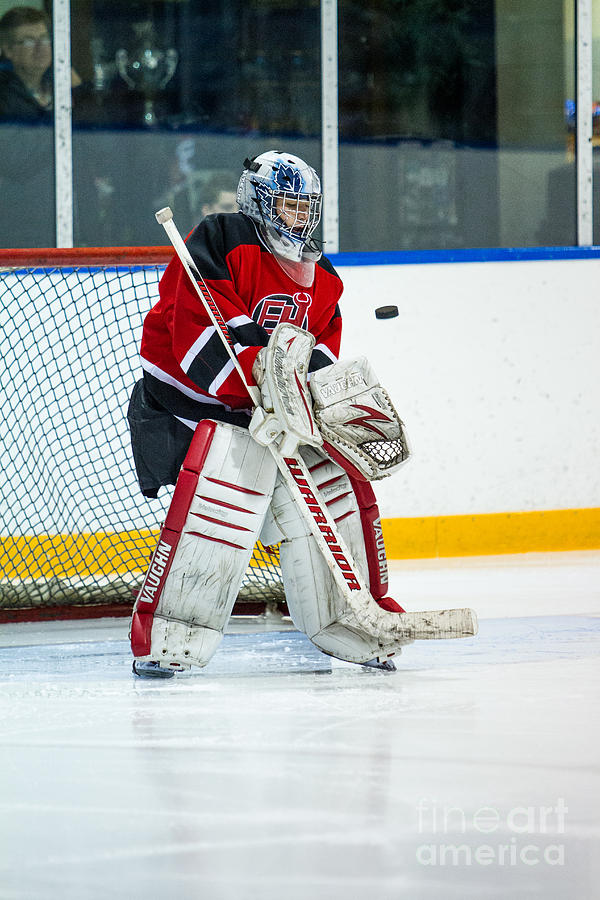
(186, 368)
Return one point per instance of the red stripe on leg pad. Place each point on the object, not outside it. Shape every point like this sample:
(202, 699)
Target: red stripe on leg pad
(160, 564)
(219, 522)
(329, 482)
(226, 505)
(200, 445)
(188, 476)
(216, 540)
(182, 499)
(344, 516)
(235, 487)
(373, 538)
(364, 493)
(150, 591)
(338, 498)
(141, 632)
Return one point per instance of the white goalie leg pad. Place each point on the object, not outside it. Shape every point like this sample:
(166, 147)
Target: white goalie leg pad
(222, 495)
(316, 605)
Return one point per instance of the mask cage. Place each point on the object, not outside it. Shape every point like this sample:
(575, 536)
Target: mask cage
(282, 209)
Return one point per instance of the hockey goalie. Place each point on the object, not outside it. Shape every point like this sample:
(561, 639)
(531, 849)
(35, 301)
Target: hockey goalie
(254, 313)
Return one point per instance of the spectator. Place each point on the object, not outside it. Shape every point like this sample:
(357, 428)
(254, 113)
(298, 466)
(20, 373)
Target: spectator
(218, 195)
(25, 71)
(26, 133)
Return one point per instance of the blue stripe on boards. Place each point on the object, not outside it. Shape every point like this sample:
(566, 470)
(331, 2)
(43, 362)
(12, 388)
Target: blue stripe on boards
(486, 254)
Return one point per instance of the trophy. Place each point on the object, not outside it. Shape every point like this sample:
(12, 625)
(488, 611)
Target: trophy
(148, 69)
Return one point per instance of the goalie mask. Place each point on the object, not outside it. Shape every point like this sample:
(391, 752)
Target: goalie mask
(283, 194)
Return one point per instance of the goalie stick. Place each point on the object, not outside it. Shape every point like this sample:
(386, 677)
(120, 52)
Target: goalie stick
(389, 628)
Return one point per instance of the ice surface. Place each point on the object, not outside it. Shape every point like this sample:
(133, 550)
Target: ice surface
(276, 772)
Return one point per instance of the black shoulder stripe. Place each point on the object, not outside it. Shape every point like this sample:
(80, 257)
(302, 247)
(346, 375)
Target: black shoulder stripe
(318, 360)
(240, 229)
(209, 362)
(215, 237)
(249, 334)
(324, 263)
(207, 247)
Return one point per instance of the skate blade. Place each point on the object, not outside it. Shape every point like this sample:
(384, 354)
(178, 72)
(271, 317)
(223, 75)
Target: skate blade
(150, 669)
(386, 665)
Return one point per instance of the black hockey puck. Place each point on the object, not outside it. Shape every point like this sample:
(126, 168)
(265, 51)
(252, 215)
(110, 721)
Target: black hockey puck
(386, 312)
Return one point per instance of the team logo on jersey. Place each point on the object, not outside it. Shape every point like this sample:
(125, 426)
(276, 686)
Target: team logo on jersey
(276, 308)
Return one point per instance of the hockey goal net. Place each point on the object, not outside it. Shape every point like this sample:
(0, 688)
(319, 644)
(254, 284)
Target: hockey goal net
(76, 533)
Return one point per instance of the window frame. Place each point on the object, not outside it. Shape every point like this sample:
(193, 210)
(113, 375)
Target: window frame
(61, 19)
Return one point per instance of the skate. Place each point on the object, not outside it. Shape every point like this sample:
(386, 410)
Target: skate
(386, 665)
(149, 668)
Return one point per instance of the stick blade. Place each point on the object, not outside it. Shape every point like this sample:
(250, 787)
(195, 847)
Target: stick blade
(164, 215)
(441, 624)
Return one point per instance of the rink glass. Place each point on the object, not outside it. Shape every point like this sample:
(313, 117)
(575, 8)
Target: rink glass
(456, 118)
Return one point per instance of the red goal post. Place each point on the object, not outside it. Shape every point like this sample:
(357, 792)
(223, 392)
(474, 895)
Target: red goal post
(76, 534)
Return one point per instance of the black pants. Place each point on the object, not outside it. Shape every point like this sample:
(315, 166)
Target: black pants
(160, 441)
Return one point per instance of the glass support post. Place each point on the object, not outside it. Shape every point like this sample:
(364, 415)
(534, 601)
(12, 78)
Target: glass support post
(584, 124)
(63, 145)
(329, 124)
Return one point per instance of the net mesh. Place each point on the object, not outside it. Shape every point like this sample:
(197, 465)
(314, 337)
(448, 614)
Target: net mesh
(75, 528)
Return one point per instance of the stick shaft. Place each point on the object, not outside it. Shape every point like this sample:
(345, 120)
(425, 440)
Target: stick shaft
(211, 307)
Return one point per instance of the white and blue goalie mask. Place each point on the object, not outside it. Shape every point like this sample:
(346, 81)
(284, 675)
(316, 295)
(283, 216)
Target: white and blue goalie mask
(283, 194)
